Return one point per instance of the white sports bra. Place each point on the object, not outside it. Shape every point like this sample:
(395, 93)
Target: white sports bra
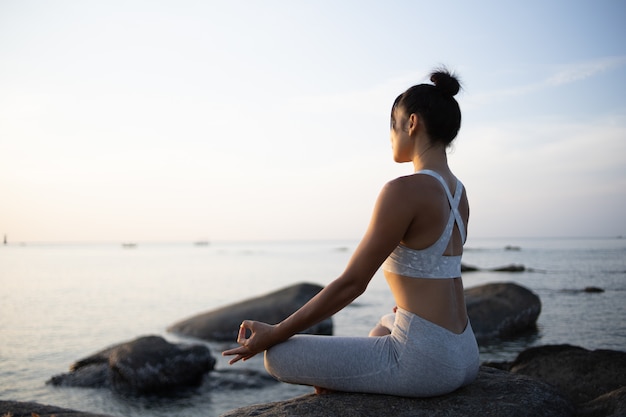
(431, 262)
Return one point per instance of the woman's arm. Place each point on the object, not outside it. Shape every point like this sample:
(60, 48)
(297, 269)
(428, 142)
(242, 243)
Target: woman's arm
(390, 220)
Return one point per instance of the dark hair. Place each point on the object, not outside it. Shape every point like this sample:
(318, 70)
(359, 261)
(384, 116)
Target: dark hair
(435, 104)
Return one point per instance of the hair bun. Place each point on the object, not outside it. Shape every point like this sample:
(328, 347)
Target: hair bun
(445, 82)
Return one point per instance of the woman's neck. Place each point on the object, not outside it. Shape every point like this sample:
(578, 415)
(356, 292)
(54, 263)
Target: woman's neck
(431, 157)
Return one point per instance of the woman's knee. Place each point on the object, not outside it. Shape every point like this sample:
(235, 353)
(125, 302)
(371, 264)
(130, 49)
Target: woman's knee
(384, 325)
(379, 330)
(269, 361)
(276, 360)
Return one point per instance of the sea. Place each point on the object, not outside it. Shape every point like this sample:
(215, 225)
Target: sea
(62, 302)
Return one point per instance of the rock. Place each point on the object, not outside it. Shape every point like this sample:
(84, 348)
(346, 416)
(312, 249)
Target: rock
(509, 268)
(145, 365)
(223, 324)
(581, 374)
(586, 290)
(612, 404)
(494, 393)
(468, 268)
(501, 310)
(505, 268)
(30, 409)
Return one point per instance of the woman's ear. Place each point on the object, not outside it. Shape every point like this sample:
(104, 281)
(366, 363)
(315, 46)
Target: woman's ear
(414, 121)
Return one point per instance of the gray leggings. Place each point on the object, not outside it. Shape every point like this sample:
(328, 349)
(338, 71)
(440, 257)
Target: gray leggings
(418, 359)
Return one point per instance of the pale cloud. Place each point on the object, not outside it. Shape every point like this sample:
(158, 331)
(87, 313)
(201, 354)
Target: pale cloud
(583, 70)
(566, 74)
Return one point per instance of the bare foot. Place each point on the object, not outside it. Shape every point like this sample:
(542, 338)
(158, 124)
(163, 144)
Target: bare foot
(323, 391)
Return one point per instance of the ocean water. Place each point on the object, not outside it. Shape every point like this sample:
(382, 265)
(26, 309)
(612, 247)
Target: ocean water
(62, 302)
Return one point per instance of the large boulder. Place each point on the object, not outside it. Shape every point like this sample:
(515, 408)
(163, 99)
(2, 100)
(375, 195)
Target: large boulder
(223, 324)
(149, 364)
(501, 310)
(494, 393)
(581, 374)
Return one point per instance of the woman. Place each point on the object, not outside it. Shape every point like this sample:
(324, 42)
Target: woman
(427, 347)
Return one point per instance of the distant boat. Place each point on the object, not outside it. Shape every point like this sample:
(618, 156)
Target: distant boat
(201, 243)
(5, 239)
(129, 245)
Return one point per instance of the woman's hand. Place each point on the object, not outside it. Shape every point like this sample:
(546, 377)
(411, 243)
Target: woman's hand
(262, 337)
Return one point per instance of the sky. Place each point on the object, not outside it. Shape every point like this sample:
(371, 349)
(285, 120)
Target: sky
(143, 120)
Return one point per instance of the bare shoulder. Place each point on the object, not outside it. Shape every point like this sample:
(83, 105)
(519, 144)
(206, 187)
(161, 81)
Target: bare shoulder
(411, 181)
(401, 188)
(417, 186)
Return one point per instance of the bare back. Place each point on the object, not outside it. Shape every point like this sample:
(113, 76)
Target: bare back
(440, 301)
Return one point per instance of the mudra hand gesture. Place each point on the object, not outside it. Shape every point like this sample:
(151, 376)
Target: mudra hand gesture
(261, 338)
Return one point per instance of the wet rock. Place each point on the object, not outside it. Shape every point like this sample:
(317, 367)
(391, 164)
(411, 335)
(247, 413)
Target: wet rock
(509, 268)
(223, 324)
(30, 409)
(501, 310)
(581, 374)
(504, 268)
(494, 393)
(468, 268)
(588, 290)
(145, 365)
(593, 289)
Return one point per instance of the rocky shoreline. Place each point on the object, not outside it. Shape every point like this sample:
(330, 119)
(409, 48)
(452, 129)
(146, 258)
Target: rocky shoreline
(552, 380)
(545, 381)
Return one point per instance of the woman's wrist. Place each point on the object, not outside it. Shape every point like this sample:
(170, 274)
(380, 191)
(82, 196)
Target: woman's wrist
(280, 333)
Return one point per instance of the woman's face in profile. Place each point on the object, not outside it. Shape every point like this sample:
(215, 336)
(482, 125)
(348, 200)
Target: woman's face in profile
(399, 136)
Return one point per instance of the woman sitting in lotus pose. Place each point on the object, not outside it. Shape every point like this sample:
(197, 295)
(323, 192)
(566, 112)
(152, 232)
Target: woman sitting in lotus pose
(417, 231)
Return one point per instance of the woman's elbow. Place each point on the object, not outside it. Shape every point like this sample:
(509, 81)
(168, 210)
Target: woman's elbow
(353, 286)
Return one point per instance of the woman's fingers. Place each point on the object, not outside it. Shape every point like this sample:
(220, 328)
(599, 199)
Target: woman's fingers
(230, 352)
(241, 336)
(241, 353)
(258, 340)
(235, 359)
